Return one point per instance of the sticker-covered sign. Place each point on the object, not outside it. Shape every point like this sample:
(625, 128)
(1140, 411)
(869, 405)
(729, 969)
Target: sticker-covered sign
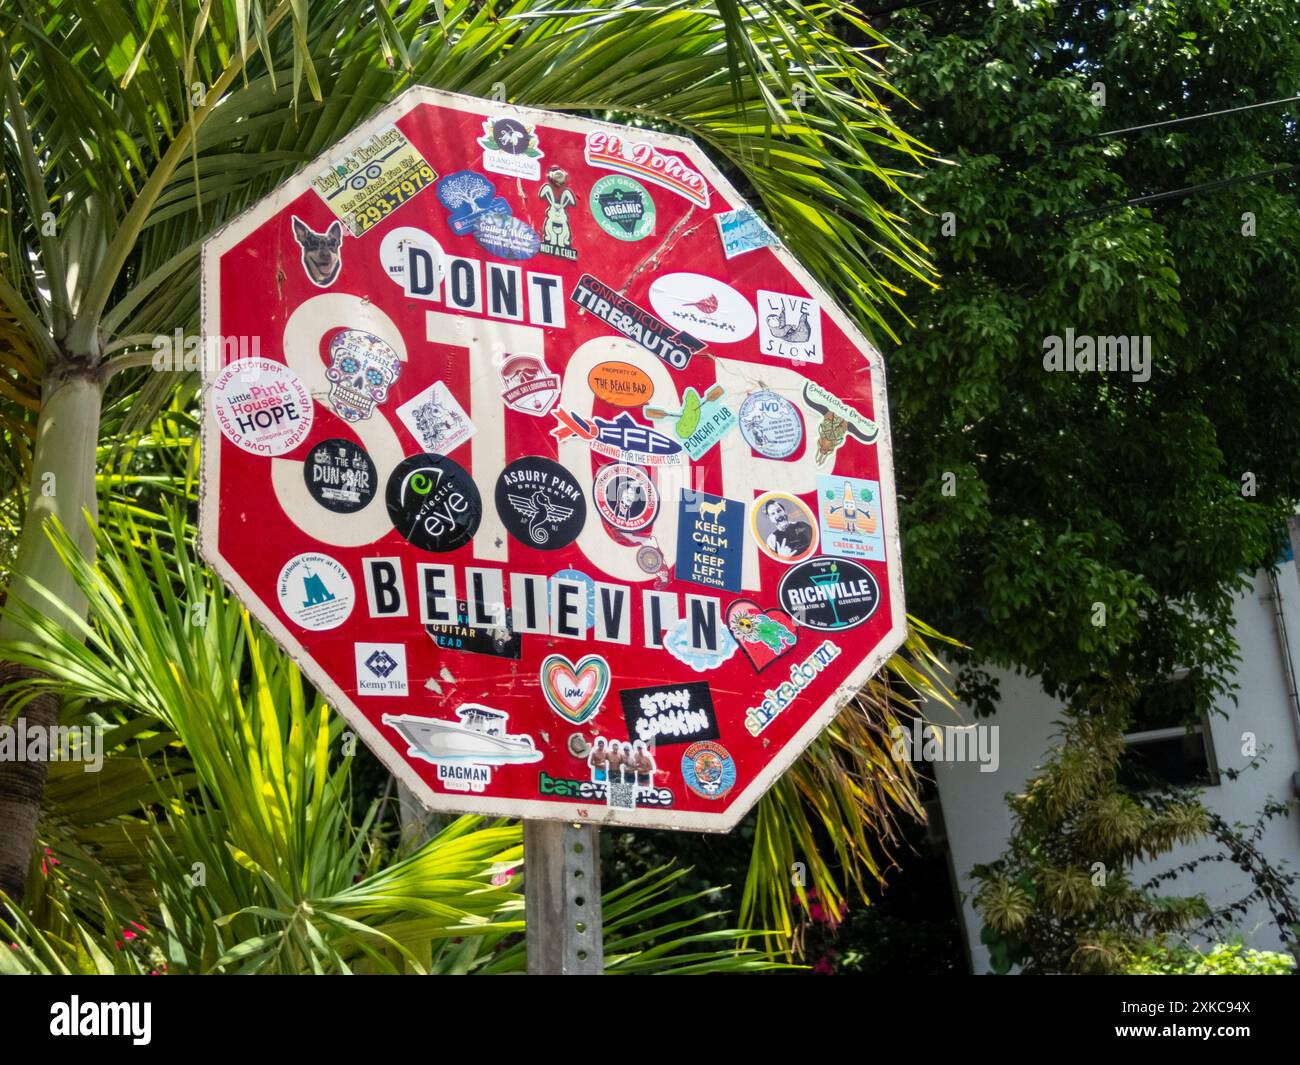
(557, 475)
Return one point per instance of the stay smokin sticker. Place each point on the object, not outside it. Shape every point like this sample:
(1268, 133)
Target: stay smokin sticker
(670, 713)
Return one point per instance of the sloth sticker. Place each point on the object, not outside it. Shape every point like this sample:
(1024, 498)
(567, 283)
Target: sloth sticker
(540, 503)
(432, 503)
(340, 476)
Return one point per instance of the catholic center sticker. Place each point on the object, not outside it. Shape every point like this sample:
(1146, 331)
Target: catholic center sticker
(622, 207)
(340, 476)
(433, 503)
(540, 503)
(262, 406)
(315, 591)
(625, 496)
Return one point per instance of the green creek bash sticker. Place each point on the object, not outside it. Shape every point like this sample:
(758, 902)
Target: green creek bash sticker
(622, 207)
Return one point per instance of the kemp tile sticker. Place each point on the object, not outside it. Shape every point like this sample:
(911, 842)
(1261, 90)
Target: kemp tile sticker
(510, 148)
(670, 713)
(433, 503)
(438, 423)
(839, 421)
(645, 162)
(741, 231)
(381, 668)
(784, 527)
(315, 591)
(789, 327)
(771, 424)
(673, 346)
(540, 503)
(704, 306)
(708, 769)
(322, 257)
(849, 510)
(501, 642)
(830, 594)
(261, 406)
(709, 534)
(622, 207)
(701, 422)
(373, 180)
(361, 370)
(340, 476)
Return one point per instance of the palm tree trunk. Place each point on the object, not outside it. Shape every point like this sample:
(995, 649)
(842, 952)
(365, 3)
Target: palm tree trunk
(63, 486)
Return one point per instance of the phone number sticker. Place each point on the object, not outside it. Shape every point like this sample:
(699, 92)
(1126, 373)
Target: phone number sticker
(374, 179)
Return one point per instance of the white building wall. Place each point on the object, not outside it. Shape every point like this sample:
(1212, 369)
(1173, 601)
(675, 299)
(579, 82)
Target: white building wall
(978, 822)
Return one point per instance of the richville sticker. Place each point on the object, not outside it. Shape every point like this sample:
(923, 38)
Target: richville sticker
(315, 591)
(741, 231)
(622, 208)
(261, 406)
(789, 327)
(507, 237)
(362, 370)
(671, 346)
(557, 237)
(500, 642)
(469, 198)
(677, 642)
(540, 503)
(702, 422)
(709, 534)
(622, 438)
(645, 162)
(775, 700)
(625, 497)
(784, 527)
(373, 180)
(340, 476)
(704, 306)
(838, 422)
(831, 594)
(771, 424)
(670, 714)
(464, 750)
(510, 148)
(436, 420)
(433, 503)
(575, 690)
(708, 769)
(627, 770)
(763, 635)
(621, 384)
(322, 257)
(849, 509)
(413, 260)
(527, 385)
(381, 668)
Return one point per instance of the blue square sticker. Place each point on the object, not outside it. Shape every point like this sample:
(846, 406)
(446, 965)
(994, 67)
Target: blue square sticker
(710, 535)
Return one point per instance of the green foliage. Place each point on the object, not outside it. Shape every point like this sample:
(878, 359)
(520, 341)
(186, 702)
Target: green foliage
(1223, 959)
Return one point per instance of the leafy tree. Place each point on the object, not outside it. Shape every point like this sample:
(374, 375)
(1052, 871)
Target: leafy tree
(1070, 524)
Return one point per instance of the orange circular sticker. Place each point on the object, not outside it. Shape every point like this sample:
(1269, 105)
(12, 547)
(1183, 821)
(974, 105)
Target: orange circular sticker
(621, 384)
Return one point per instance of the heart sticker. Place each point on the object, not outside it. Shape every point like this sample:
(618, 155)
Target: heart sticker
(764, 635)
(575, 692)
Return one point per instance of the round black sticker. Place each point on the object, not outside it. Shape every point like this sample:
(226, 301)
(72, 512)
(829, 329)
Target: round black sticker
(829, 593)
(540, 503)
(433, 502)
(340, 476)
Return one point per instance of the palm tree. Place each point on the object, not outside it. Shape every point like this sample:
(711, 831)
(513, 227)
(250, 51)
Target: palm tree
(131, 131)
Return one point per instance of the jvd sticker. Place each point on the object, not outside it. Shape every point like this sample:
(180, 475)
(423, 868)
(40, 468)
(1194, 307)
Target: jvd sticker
(771, 424)
(672, 346)
(433, 503)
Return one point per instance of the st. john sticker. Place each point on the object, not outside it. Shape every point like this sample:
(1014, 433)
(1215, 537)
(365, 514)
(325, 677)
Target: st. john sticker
(709, 534)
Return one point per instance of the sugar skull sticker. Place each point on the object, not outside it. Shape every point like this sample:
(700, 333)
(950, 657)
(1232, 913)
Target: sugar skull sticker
(361, 371)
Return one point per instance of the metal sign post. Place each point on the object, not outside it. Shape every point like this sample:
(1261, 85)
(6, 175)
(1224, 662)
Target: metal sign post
(562, 899)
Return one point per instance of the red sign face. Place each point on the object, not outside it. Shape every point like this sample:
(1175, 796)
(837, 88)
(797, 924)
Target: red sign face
(559, 477)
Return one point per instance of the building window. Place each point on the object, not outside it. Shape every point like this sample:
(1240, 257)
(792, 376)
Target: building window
(1169, 742)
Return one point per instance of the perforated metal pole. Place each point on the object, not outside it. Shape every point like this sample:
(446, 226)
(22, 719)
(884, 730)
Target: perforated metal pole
(562, 899)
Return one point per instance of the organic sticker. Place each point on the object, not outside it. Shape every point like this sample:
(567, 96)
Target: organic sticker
(622, 207)
(510, 148)
(784, 527)
(771, 424)
(373, 180)
(849, 509)
(436, 420)
(625, 497)
(839, 421)
(381, 668)
(540, 503)
(315, 591)
(413, 260)
(262, 406)
(672, 346)
(830, 594)
(557, 237)
(763, 635)
(362, 369)
(433, 503)
(621, 384)
(641, 160)
(704, 306)
(670, 713)
(708, 769)
(741, 231)
(709, 533)
(702, 421)
(321, 255)
(527, 385)
(790, 327)
(575, 691)
(340, 476)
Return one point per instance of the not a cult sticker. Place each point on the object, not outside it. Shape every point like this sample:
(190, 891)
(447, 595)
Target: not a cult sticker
(262, 406)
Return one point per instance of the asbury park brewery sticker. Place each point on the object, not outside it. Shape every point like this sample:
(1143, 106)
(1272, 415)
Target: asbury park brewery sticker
(555, 472)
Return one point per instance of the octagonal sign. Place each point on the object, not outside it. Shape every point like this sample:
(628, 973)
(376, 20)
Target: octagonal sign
(554, 471)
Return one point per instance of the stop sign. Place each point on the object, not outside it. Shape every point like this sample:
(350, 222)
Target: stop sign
(554, 471)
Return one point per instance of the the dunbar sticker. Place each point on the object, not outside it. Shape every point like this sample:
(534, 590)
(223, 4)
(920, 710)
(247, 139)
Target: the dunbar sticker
(708, 769)
(839, 421)
(830, 594)
(704, 306)
(784, 527)
(432, 503)
(625, 497)
(622, 208)
(373, 180)
(645, 162)
(771, 424)
(436, 420)
(362, 369)
(790, 327)
(670, 713)
(262, 406)
(527, 385)
(575, 690)
(315, 591)
(340, 476)
(322, 257)
(540, 503)
(849, 508)
(672, 346)
(709, 534)
(510, 148)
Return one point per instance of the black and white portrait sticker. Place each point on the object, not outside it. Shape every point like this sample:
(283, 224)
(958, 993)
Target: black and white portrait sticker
(625, 496)
(433, 503)
(540, 503)
(340, 476)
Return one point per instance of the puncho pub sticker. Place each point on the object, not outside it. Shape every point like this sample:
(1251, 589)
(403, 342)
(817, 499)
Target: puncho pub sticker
(262, 406)
(374, 179)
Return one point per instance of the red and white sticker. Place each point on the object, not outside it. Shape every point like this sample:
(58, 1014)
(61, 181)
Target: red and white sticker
(262, 406)
(703, 306)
